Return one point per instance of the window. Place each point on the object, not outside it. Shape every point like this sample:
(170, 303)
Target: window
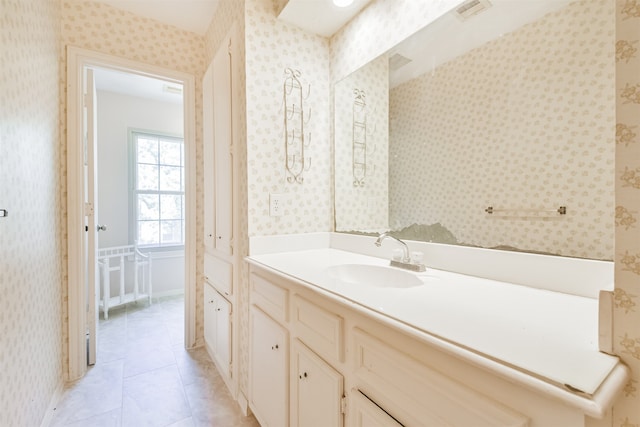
(158, 189)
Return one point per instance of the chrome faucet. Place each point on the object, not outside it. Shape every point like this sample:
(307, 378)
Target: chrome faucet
(405, 262)
(405, 249)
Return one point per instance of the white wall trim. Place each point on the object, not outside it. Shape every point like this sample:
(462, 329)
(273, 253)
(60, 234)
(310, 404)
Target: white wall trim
(77, 60)
(53, 403)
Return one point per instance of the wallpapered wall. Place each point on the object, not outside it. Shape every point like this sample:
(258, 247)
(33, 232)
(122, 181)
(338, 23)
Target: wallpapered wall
(30, 189)
(525, 121)
(626, 412)
(102, 28)
(272, 46)
(362, 207)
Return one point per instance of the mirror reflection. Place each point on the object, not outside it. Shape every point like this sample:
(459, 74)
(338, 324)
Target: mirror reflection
(494, 130)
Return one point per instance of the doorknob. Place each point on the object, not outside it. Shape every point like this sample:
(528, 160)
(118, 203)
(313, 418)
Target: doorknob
(102, 228)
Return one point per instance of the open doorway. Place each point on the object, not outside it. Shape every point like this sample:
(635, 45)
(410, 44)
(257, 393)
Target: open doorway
(133, 137)
(140, 203)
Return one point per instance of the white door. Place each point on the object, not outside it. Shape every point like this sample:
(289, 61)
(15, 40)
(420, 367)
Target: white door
(91, 212)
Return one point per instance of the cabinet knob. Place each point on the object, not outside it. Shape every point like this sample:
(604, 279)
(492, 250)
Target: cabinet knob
(219, 237)
(274, 347)
(219, 309)
(303, 375)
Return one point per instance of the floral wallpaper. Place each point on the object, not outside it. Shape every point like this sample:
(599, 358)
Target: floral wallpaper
(362, 192)
(524, 121)
(31, 277)
(626, 326)
(271, 47)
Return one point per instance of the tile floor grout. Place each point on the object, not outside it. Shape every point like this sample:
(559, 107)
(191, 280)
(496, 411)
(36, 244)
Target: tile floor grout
(145, 377)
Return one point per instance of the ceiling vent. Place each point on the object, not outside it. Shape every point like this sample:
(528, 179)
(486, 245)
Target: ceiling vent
(398, 61)
(176, 90)
(471, 8)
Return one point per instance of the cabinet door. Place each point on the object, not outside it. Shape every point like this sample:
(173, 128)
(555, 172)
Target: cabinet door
(222, 135)
(316, 390)
(268, 371)
(207, 138)
(365, 413)
(223, 334)
(210, 303)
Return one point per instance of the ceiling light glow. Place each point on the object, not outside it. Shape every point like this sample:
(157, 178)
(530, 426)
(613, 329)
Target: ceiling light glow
(342, 3)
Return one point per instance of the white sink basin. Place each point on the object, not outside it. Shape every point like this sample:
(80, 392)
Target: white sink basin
(374, 275)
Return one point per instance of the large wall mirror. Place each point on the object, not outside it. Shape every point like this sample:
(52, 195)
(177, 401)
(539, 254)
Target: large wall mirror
(495, 129)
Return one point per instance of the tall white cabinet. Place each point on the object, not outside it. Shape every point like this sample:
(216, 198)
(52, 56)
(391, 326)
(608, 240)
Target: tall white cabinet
(220, 181)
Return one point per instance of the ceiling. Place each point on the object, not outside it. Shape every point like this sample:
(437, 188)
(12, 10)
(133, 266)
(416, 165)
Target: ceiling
(137, 85)
(449, 37)
(190, 15)
(320, 17)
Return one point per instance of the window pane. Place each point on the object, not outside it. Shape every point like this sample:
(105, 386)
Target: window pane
(170, 153)
(171, 232)
(148, 233)
(147, 177)
(148, 207)
(170, 178)
(171, 207)
(147, 150)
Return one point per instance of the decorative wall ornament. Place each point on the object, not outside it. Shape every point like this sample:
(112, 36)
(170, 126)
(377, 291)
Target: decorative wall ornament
(631, 9)
(631, 93)
(295, 119)
(631, 345)
(360, 146)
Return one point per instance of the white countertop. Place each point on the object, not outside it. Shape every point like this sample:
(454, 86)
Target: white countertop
(547, 334)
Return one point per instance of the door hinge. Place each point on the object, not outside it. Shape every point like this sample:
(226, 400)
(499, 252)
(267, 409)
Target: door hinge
(88, 209)
(343, 405)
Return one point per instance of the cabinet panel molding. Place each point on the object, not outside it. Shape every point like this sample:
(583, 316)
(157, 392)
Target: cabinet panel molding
(316, 390)
(365, 413)
(219, 273)
(268, 370)
(320, 329)
(272, 298)
(415, 392)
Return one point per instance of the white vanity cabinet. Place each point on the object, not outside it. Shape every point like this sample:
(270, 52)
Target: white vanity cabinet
(349, 365)
(217, 328)
(268, 370)
(221, 262)
(316, 390)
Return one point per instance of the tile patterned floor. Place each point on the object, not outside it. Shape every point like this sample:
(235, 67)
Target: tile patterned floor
(145, 377)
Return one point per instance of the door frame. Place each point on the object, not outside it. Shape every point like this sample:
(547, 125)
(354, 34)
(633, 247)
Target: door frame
(77, 60)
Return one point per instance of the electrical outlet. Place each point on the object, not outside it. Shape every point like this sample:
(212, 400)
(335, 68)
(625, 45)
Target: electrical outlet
(276, 204)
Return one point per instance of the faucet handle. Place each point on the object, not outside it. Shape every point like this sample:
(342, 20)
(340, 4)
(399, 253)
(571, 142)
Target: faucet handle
(417, 257)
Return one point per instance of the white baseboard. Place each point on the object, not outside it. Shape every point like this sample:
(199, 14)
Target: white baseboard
(53, 403)
(243, 403)
(169, 293)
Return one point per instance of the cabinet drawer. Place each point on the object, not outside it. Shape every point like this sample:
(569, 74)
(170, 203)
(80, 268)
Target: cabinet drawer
(320, 329)
(418, 395)
(273, 299)
(219, 273)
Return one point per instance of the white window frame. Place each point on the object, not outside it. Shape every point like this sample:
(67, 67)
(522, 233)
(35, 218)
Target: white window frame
(133, 191)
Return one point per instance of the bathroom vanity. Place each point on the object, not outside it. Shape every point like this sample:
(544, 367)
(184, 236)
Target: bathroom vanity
(340, 338)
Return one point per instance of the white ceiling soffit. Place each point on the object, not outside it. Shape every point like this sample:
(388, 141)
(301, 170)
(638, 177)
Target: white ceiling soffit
(449, 37)
(320, 17)
(138, 86)
(190, 15)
